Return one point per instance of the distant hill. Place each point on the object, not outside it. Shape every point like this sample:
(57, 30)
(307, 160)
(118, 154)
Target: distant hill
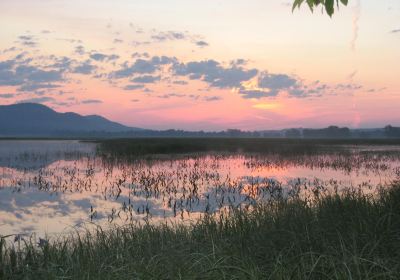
(39, 121)
(30, 119)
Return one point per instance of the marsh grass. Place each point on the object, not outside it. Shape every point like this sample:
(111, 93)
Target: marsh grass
(346, 236)
(165, 146)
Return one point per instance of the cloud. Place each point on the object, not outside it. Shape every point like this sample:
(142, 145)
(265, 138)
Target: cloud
(62, 63)
(34, 74)
(194, 96)
(139, 66)
(7, 74)
(69, 40)
(349, 86)
(202, 44)
(25, 37)
(212, 98)
(10, 49)
(190, 96)
(142, 66)
(91, 101)
(141, 43)
(169, 35)
(137, 54)
(27, 40)
(213, 73)
(84, 68)
(239, 62)
(103, 57)
(31, 74)
(163, 60)
(180, 82)
(43, 99)
(36, 86)
(169, 95)
(98, 56)
(271, 85)
(256, 93)
(225, 76)
(28, 77)
(41, 74)
(146, 79)
(133, 87)
(80, 50)
(276, 81)
(6, 95)
(6, 65)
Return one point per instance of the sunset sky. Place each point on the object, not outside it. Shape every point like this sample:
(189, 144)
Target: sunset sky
(204, 65)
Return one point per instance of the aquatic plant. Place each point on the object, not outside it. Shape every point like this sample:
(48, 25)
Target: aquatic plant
(339, 236)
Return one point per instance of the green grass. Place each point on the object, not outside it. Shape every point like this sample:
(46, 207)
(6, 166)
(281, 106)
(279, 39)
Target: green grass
(351, 236)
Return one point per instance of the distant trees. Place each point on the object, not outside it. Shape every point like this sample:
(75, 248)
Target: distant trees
(332, 132)
(328, 5)
(392, 132)
(293, 133)
(234, 133)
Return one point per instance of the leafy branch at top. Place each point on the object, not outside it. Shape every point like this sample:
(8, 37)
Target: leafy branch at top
(328, 4)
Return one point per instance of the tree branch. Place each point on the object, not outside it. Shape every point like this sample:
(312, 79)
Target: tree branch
(329, 5)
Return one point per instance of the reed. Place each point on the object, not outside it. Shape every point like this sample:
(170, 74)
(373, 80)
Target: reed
(347, 235)
(151, 146)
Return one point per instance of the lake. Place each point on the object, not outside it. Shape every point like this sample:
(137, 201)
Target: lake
(53, 187)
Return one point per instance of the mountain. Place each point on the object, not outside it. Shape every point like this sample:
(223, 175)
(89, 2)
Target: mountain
(30, 119)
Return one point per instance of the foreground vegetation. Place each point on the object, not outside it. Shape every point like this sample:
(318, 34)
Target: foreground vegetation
(348, 236)
(329, 5)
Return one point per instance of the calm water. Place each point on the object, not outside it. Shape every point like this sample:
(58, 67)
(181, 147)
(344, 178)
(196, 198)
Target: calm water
(50, 187)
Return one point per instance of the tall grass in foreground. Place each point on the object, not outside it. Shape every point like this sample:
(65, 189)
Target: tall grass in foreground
(351, 236)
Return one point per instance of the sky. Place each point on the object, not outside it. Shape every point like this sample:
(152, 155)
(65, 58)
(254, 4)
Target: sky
(204, 65)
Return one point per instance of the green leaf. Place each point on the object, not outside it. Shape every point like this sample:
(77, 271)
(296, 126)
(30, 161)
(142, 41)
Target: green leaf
(330, 7)
(311, 4)
(297, 3)
(328, 4)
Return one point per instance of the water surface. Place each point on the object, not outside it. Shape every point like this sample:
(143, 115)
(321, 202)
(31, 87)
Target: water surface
(51, 187)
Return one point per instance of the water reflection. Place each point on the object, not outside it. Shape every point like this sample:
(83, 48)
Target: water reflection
(33, 154)
(51, 186)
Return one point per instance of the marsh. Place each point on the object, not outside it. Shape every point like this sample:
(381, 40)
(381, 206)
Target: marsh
(55, 187)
